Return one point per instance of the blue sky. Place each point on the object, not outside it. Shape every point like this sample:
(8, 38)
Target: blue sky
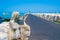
(29, 5)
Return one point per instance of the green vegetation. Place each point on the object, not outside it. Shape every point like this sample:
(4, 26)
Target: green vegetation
(58, 22)
(5, 20)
